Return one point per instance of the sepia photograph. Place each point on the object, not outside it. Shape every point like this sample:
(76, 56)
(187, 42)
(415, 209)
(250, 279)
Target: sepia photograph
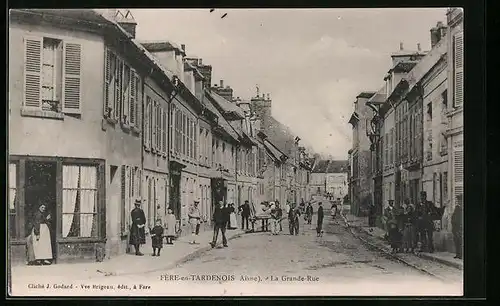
(235, 152)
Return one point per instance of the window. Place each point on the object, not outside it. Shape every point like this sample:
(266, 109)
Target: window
(171, 128)
(52, 75)
(458, 173)
(444, 187)
(147, 123)
(13, 201)
(444, 97)
(164, 131)
(458, 68)
(79, 209)
(122, 97)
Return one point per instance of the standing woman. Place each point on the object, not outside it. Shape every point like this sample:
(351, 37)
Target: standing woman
(39, 242)
(291, 221)
(233, 223)
(137, 229)
(319, 226)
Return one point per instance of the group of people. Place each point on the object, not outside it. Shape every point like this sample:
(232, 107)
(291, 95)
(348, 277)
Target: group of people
(410, 227)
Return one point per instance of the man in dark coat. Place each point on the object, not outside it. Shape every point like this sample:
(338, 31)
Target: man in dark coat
(426, 214)
(319, 226)
(137, 230)
(220, 219)
(245, 214)
(291, 220)
(456, 227)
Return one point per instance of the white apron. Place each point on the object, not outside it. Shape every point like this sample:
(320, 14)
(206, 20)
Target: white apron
(42, 249)
(232, 221)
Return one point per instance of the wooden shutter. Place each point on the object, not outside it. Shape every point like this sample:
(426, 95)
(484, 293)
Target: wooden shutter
(164, 131)
(138, 101)
(459, 68)
(132, 98)
(72, 78)
(108, 105)
(458, 170)
(123, 199)
(33, 71)
(153, 124)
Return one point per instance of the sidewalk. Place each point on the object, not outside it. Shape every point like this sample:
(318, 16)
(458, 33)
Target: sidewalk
(361, 223)
(171, 255)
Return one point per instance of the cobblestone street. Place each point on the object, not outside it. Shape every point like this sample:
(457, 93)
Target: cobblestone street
(336, 264)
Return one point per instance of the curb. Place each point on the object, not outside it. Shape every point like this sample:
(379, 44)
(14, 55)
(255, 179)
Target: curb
(381, 249)
(421, 255)
(179, 261)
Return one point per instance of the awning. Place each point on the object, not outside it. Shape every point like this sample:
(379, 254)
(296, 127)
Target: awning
(354, 119)
(275, 153)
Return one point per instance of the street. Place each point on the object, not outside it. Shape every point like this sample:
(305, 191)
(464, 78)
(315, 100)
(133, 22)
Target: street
(262, 264)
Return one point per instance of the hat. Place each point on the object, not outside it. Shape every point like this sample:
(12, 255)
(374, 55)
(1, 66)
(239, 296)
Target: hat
(197, 201)
(138, 202)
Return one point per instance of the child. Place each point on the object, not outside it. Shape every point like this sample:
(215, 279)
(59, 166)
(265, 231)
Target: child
(394, 237)
(157, 237)
(171, 224)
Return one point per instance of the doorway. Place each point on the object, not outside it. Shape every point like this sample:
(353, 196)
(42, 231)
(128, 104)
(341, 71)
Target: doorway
(40, 188)
(175, 193)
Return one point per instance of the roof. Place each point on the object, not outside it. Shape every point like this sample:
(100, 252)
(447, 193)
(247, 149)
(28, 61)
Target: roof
(407, 53)
(190, 67)
(161, 45)
(221, 121)
(379, 97)
(331, 166)
(365, 94)
(404, 66)
(273, 150)
(225, 106)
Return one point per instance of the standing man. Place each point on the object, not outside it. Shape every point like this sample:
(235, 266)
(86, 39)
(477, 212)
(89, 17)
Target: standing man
(194, 220)
(280, 215)
(426, 213)
(319, 227)
(220, 223)
(456, 227)
(245, 214)
(137, 229)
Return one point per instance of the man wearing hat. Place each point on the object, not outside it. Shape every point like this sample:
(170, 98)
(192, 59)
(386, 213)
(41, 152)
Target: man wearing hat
(194, 220)
(137, 229)
(426, 214)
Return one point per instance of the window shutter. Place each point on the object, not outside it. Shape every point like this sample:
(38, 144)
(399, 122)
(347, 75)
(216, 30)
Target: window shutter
(458, 171)
(108, 105)
(132, 96)
(153, 127)
(138, 101)
(459, 68)
(33, 71)
(123, 199)
(164, 131)
(72, 78)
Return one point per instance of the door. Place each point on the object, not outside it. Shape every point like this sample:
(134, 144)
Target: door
(175, 193)
(40, 189)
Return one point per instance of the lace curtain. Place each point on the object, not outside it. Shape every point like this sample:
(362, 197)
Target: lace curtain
(70, 193)
(12, 187)
(88, 201)
(79, 187)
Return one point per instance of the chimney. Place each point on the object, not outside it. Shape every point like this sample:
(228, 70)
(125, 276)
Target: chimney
(418, 47)
(401, 46)
(125, 20)
(268, 97)
(200, 62)
(183, 47)
(222, 83)
(434, 37)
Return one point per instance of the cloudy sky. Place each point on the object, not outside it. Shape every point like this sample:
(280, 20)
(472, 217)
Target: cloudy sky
(313, 62)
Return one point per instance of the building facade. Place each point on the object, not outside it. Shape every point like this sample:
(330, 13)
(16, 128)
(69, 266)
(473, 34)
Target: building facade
(359, 188)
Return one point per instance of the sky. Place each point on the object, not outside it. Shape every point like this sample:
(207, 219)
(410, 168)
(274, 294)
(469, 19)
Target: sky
(312, 62)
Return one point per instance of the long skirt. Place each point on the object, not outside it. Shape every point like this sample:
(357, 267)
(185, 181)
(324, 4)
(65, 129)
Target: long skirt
(41, 249)
(137, 235)
(409, 236)
(233, 223)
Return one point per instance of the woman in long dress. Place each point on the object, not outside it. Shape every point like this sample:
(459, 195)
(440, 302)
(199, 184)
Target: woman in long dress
(233, 223)
(39, 241)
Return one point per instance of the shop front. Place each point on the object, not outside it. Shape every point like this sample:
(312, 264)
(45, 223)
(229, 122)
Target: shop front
(73, 193)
